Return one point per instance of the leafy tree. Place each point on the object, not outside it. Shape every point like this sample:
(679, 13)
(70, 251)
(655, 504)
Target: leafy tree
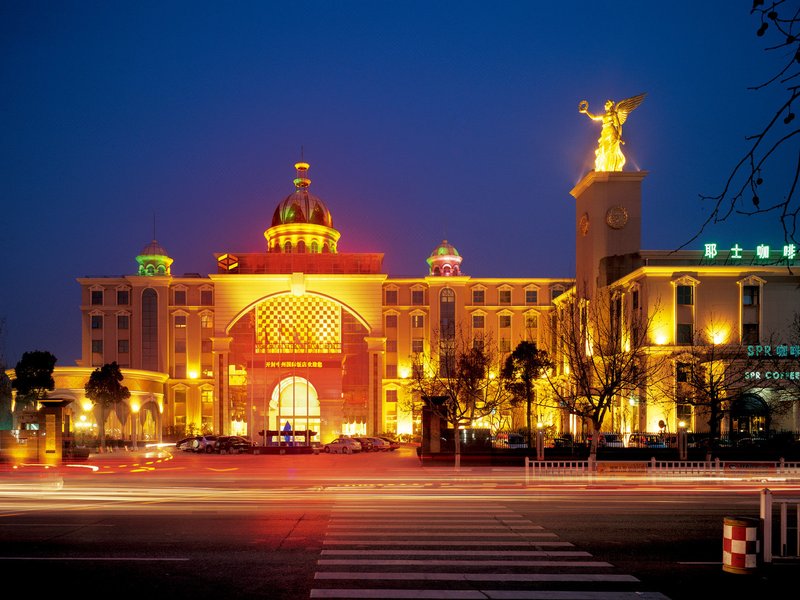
(522, 369)
(105, 390)
(6, 418)
(748, 189)
(33, 377)
(599, 356)
(466, 375)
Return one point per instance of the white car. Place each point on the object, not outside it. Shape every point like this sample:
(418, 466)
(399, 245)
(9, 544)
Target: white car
(342, 446)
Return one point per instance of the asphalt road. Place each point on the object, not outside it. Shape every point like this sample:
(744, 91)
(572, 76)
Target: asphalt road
(316, 526)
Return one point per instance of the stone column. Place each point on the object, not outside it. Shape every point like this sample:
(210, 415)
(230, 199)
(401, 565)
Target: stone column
(220, 351)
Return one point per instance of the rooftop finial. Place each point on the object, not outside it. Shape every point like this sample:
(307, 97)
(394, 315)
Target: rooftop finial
(301, 181)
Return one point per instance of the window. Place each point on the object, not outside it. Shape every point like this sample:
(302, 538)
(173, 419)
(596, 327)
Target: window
(97, 346)
(684, 295)
(180, 371)
(205, 346)
(180, 346)
(447, 314)
(206, 297)
(417, 297)
(180, 321)
(207, 410)
(207, 370)
(150, 330)
(504, 296)
(682, 371)
(391, 297)
(477, 343)
(417, 345)
(635, 299)
(206, 321)
(505, 321)
(123, 321)
(531, 296)
(391, 321)
(685, 333)
(180, 297)
(478, 296)
(97, 321)
(417, 321)
(531, 321)
(750, 333)
(683, 412)
(478, 321)
(97, 297)
(180, 407)
(391, 395)
(391, 371)
(505, 345)
(750, 295)
(556, 292)
(391, 345)
(123, 346)
(123, 298)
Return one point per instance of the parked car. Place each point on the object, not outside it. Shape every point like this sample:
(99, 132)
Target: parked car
(367, 444)
(392, 444)
(505, 439)
(342, 446)
(233, 444)
(198, 443)
(646, 440)
(378, 444)
(609, 440)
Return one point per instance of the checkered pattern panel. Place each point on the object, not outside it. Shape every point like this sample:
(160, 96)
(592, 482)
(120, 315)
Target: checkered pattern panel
(739, 547)
(298, 325)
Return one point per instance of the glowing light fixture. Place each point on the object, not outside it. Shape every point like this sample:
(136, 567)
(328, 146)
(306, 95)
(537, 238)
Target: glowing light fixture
(193, 375)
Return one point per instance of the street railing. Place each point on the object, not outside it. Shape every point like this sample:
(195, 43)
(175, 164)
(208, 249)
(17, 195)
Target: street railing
(659, 468)
(767, 503)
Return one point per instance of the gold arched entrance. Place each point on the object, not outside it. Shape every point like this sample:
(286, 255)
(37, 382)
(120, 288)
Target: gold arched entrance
(294, 406)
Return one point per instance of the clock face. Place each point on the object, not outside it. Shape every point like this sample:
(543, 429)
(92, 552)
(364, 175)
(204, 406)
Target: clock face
(583, 224)
(617, 217)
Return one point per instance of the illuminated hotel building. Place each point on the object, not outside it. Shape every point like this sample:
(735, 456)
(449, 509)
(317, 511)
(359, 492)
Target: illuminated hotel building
(304, 335)
(299, 334)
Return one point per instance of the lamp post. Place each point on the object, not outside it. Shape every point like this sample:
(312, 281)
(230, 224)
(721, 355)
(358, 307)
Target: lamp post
(539, 441)
(682, 440)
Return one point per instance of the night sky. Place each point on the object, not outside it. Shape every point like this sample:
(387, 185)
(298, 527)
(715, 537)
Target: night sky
(421, 121)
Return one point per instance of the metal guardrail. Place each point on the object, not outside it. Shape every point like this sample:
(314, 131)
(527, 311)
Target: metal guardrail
(767, 503)
(665, 468)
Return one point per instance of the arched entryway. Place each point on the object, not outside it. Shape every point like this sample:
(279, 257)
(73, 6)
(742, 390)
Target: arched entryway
(294, 406)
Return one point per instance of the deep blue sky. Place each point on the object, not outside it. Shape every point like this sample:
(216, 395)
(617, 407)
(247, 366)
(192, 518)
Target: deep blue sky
(422, 120)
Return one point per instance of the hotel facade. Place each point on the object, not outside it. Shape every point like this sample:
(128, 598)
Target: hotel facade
(305, 337)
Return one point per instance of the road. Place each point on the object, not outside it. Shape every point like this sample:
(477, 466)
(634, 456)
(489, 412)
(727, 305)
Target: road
(376, 525)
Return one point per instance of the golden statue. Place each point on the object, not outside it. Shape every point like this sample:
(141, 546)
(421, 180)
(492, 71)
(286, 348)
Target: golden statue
(609, 155)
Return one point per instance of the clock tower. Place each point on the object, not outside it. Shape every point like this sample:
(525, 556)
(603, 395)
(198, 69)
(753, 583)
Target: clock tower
(608, 231)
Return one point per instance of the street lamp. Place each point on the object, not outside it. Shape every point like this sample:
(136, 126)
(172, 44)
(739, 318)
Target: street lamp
(539, 441)
(682, 441)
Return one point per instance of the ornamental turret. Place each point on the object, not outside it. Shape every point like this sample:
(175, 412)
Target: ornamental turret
(444, 260)
(154, 260)
(301, 222)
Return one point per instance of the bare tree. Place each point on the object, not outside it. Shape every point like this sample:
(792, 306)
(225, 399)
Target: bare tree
(748, 190)
(465, 375)
(601, 354)
(709, 374)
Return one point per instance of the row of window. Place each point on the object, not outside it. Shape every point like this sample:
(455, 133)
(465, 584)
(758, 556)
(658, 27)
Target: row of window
(478, 321)
(178, 297)
(684, 295)
(478, 296)
(123, 321)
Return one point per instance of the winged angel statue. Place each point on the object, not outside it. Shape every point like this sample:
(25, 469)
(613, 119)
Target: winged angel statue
(609, 155)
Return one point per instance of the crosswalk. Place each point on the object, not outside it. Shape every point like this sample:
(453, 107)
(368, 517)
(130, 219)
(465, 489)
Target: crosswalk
(429, 550)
